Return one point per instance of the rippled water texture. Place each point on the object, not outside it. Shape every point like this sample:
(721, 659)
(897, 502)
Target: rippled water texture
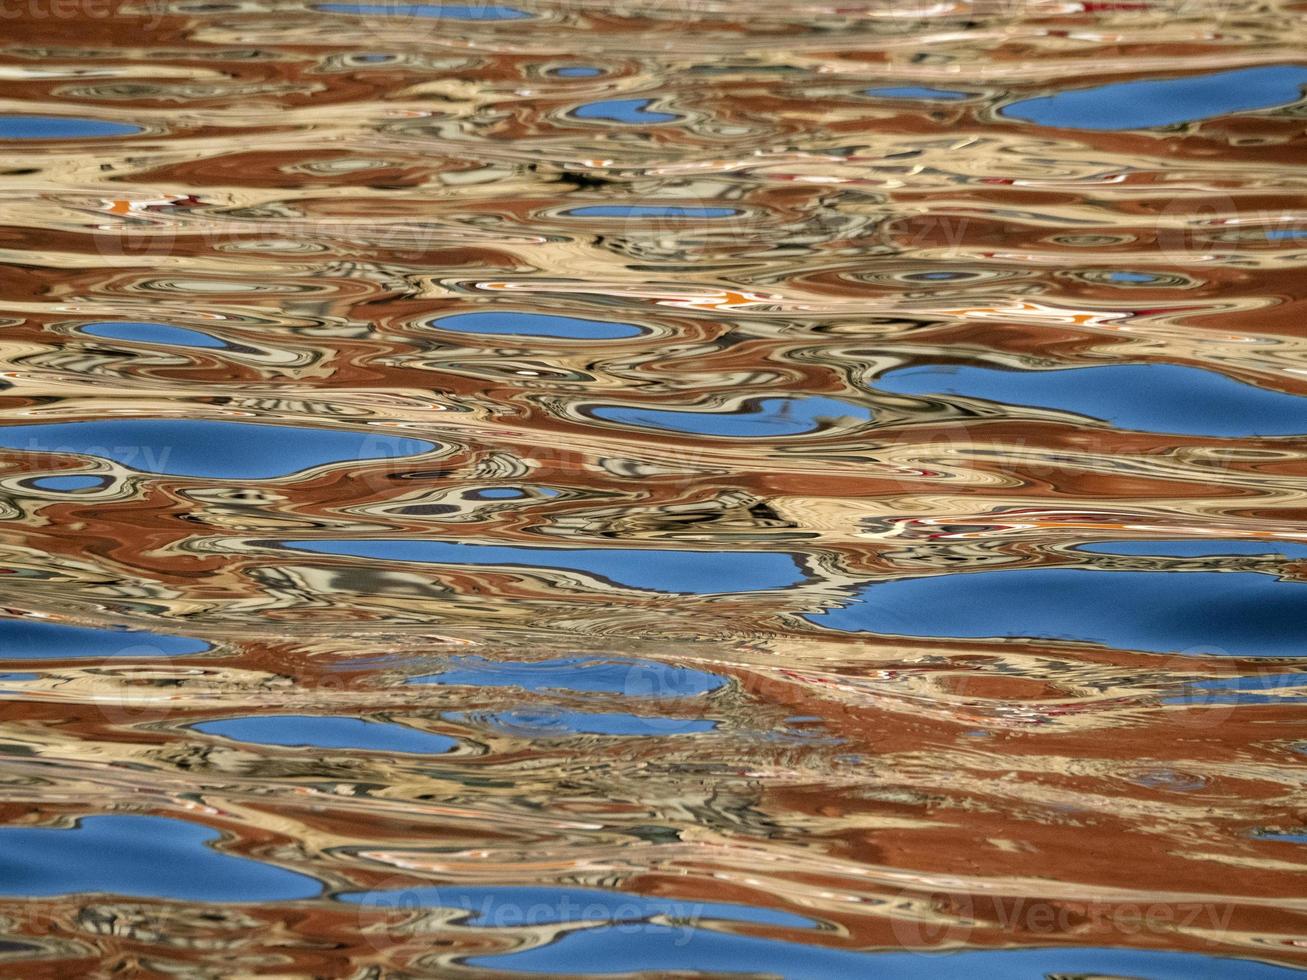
(574, 488)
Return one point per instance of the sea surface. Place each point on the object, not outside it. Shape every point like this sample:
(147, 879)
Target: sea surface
(664, 487)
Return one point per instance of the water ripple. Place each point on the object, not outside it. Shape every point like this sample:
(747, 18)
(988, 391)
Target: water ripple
(599, 488)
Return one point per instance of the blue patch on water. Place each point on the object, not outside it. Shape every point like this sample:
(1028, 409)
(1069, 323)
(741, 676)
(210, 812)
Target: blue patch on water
(577, 71)
(647, 211)
(1196, 548)
(517, 906)
(27, 639)
(510, 493)
(760, 419)
(653, 948)
(1276, 234)
(139, 857)
(1206, 613)
(1167, 780)
(624, 111)
(1131, 277)
(589, 675)
(328, 732)
(66, 484)
(152, 333)
(537, 325)
(557, 723)
(434, 10)
(498, 493)
(59, 127)
(655, 569)
(1145, 397)
(1250, 689)
(18, 677)
(917, 92)
(1285, 838)
(221, 450)
(1165, 101)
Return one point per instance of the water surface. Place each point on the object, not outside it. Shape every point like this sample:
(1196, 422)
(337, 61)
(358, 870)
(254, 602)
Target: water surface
(1225, 613)
(758, 420)
(26, 639)
(617, 675)
(564, 489)
(631, 111)
(437, 11)
(701, 572)
(514, 323)
(308, 731)
(1165, 101)
(1147, 397)
(203, 448)
(142, 857)
(152, 333)
(60, 128)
